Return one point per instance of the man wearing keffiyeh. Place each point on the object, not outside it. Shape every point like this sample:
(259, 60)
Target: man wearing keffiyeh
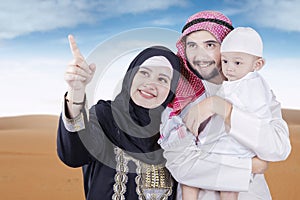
(199, 50)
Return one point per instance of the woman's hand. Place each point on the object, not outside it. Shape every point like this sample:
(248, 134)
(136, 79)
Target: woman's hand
(259, 166)
(78, 73)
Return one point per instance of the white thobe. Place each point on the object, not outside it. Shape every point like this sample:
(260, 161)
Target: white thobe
(268, 139)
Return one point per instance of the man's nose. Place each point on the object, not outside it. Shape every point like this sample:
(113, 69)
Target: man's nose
(201, 49)
(201, 53)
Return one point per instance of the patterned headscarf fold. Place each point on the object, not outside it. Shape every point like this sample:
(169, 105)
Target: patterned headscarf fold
(190, 86)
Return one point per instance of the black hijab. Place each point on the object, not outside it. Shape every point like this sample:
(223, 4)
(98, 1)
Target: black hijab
(133, 128)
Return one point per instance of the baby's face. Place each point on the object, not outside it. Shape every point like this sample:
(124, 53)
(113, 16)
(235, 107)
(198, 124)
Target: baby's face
(235, 65)
(150, 86)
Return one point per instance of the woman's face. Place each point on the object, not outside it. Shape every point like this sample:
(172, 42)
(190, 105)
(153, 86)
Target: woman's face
(150, 86)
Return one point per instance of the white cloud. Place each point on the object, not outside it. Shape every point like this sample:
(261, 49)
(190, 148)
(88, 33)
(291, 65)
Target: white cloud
(282, 15)
(18, 17)
(283, 77)
(31, 86)
(133, 6)
(164, 22)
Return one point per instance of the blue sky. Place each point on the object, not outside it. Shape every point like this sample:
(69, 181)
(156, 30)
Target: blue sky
(34, 48)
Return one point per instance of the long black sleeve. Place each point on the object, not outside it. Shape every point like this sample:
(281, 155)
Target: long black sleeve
(70, 148)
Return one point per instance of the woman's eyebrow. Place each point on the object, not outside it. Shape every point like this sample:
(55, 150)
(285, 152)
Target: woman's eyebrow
(160, 74)
(165, 75)
(144, 67)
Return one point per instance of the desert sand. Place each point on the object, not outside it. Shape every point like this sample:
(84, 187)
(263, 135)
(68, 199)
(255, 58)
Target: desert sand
(30, 168)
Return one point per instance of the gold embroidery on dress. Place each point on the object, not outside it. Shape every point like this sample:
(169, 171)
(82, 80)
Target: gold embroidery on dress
(120, 177)
(153, 182)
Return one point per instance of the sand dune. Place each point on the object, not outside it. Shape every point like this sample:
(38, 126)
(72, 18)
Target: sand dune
(292, 117)
(30, 168)
(29, 122)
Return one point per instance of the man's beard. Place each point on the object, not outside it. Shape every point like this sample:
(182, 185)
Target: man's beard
(214, 73)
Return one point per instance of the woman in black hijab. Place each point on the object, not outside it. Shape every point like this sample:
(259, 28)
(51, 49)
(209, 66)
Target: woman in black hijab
(115, 142)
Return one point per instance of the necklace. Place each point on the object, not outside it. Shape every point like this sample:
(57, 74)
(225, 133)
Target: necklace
(154, 182)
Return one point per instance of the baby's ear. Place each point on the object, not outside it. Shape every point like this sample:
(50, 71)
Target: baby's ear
(259, 63)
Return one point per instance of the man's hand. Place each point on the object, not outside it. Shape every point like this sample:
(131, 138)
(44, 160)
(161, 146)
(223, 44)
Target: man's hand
(205, 109)
(198, 114)
(221, 107)
(259, 166)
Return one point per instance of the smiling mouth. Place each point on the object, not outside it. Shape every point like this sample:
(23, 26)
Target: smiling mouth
(203, 64)
(146, 94)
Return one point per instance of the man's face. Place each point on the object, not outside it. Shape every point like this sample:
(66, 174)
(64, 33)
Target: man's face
(203, 54)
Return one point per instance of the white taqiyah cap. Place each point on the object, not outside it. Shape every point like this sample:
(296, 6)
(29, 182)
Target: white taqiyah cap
(243, 39)
(157, 61)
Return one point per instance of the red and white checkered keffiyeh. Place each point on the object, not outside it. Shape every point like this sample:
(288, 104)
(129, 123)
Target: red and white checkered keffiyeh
(190, 86)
